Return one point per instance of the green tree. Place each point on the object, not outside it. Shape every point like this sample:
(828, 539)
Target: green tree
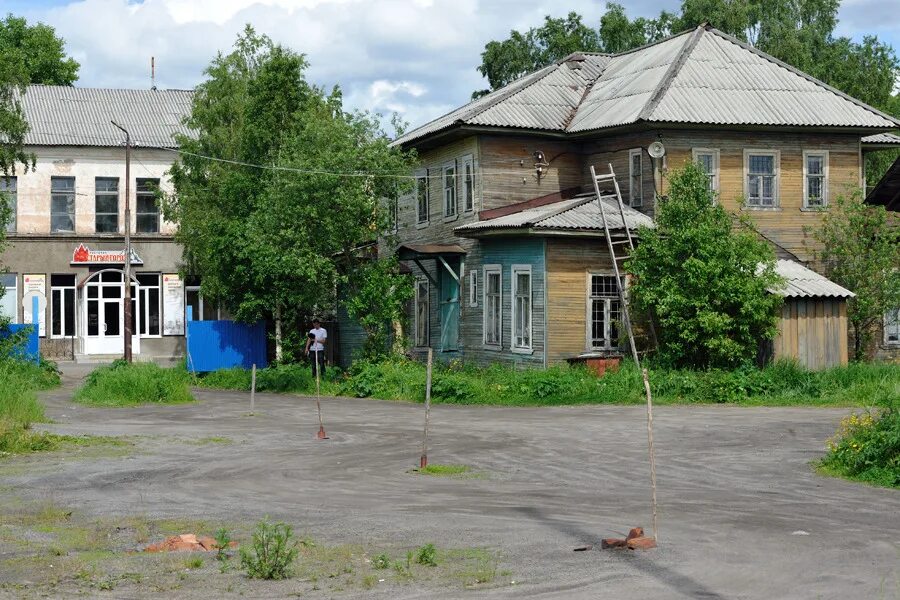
(705, 280)
(370, 284)
(38, 51)
(276, 242)
(859, 246)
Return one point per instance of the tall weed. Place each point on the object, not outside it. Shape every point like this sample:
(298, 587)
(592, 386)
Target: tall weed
(123, 384)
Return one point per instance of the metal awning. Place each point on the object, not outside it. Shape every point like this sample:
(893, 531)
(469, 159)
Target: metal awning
(419, 251)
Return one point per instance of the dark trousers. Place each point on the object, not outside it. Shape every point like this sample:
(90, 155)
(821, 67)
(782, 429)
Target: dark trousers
(313, 357)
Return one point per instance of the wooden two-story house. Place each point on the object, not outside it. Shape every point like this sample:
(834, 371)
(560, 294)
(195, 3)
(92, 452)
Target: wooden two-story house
(503, 235)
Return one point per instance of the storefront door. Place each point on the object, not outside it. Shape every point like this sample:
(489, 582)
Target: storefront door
(104, 314)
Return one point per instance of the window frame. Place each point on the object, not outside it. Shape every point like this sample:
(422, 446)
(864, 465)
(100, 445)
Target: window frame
(607, 312)
(68, 193)
(716, 156)
(450, 191)
(425, 340)
(776, 178)
(514, 293)
(143, 194)
(488, 270)
(144, 306)
(106, 194)
(200, 308)
(12, 292)
(422, 180)
(635, 200)
(886, 324)
(62, 294)
(824, 176)
(9, 186)
(473, 288)
(468, 183)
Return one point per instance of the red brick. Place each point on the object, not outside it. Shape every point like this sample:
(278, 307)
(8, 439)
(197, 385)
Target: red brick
(642, 543)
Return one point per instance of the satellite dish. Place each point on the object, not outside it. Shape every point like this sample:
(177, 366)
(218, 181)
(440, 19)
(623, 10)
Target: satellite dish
(656, 150)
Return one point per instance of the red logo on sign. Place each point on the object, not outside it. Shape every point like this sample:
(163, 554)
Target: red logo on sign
(81, 254)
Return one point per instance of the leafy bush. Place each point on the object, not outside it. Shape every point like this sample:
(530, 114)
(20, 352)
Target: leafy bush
(867, 448)
(281, 378)
(123, 384)
(427, 555)
(273, 552)
(382, 561)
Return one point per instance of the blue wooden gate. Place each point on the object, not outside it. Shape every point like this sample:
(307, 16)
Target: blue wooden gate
(213, 345)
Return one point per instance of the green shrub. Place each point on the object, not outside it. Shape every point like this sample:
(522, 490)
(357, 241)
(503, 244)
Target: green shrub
(123, 384)
(226, 379)
(427, 555)
(273, 552)
(867, 448)
(382, 561)
(283, 378)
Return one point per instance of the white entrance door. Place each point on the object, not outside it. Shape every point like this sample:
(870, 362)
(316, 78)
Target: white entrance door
(104, 315)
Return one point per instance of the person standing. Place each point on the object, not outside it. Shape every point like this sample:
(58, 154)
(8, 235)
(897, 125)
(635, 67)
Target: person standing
(315, 343)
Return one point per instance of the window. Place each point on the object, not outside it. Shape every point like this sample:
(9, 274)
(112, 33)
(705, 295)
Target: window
(708, 161)
(422, 312)
(493, 305)
(635, 172)
(892, 327)
(422, 198)
(106, 207)
(521, 309)
(149, 312)
(468, 183)
(147, 208)
(473, 288)
(9, 302)
(8, 188)
(450, 191)
(201, 308)
(62, 204)
(604, 312)
(394, 213)
(761, 167)
(62, 306)
(815, 179)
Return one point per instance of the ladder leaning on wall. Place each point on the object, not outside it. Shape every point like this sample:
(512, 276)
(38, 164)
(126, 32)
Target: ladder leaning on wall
(626, 313)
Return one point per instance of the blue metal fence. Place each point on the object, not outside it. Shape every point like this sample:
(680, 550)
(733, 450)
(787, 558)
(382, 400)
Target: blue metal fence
(213, 345)
(29, 349)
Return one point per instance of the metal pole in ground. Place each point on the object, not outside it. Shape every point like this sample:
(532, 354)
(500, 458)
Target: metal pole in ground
(321, 435)
(650, 444)
(423, 460)
(127, 308)
(253, 389)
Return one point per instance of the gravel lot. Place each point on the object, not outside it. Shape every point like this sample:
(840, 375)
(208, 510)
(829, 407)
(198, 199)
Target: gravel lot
(742, 513)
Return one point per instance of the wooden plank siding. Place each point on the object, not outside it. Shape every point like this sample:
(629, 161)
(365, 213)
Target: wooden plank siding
(616, 150)
(813, 331)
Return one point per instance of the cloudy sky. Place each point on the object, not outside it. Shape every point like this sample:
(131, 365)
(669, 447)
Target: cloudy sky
(414, 57)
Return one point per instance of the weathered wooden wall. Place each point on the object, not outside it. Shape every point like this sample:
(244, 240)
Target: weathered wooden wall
(615, 150)
(813, 331)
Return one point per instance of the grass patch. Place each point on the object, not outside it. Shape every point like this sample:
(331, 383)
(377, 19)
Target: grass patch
(866, 448)
(19, 406)
(216, 439)
(438, 470)
(296, 378)
(121, 384)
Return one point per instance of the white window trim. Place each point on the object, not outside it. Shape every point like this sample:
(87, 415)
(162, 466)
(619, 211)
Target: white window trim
(144, 307)
(62, 289)
(445, 188)
(695, 154)
(473, 287)
(422, 174)
(588, 338)
(776, 186)
(416, 344)
(884, 327)
(467, 160)
(487, 270)
(825, 174)
(516, 270)
(639, 200)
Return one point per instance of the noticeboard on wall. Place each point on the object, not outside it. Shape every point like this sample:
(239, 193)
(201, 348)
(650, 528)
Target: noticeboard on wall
(173, 304)
(35, 286)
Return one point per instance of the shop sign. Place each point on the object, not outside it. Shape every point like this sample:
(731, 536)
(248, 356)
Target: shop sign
(82, 255)
(173, 304)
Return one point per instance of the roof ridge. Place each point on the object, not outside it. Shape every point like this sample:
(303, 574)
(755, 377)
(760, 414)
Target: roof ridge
(674, 68)
(796, 71)
(104, 89)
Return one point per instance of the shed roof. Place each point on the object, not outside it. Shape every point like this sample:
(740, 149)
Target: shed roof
(887, 191)
(881, 139)
(802, 282)
(702, 76)
(74, 116)
(580, 213)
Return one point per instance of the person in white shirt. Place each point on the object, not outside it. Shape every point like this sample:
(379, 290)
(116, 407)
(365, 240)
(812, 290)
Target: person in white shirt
(315, 342)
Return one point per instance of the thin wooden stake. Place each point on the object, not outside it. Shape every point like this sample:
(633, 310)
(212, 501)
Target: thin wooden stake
(650, 445)
(321, 435)
(423, 460)
(253, 389)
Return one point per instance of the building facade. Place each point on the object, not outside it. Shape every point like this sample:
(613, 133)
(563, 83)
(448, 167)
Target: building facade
(66, 248)
(502, 231)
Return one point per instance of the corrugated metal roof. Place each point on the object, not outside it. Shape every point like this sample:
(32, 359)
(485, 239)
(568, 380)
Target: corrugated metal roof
(579, 213)
(801, 282)
(702, 76)
(73, 116)
(882, 138)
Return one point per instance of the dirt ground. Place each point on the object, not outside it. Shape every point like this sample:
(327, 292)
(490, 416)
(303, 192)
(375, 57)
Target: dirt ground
(743, 515)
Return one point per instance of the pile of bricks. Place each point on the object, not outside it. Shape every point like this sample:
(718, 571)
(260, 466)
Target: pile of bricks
(186, 542)
(635, 541)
